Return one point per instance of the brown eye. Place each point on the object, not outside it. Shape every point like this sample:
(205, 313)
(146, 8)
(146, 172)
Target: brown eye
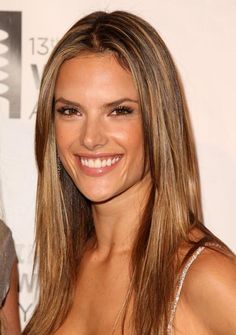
(68, 111)
(122, 110)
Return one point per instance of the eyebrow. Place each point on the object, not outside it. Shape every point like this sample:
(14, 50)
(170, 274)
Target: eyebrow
(107, 105)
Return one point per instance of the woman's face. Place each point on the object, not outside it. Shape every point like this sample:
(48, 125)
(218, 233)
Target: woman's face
(98, 126)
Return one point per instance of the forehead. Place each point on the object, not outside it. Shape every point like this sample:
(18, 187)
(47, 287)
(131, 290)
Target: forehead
(94, 75)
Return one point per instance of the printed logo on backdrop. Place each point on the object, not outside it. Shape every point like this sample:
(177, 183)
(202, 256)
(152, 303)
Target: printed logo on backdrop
(27, 282)
(10, 62)
(39, 48)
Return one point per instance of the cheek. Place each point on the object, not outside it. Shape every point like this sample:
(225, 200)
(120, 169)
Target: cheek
(59, 133)
(64, 140)
(130, 135)
(131, 139)
(64, 136)
(134, 140)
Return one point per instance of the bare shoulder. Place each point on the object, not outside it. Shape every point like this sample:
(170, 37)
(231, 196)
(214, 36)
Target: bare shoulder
(210, 291)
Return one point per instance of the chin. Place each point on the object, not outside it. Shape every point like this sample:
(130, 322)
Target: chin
(98, 190)
(99, 195)
(97, 198)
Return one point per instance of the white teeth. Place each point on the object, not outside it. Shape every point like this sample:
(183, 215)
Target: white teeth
(104, 163)
(91, 163)
(98, 163)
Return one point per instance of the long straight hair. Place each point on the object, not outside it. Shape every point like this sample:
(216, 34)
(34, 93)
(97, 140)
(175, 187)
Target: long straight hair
(63, 217)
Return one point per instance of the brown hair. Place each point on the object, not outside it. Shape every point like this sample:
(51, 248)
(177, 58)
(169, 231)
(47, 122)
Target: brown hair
(174, 205)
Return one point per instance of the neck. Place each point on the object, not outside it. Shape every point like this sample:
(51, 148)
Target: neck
(117, 220)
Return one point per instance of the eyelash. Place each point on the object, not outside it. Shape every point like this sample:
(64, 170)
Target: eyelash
(119, 111)
(72, 111)
(122, 110)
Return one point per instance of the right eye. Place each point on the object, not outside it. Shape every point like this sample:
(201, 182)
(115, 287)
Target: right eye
(68, 111)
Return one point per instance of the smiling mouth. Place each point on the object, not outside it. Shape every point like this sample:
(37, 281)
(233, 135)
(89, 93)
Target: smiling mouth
(99, 163)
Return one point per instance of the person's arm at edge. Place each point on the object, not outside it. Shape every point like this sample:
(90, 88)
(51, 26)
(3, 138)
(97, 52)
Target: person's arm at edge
(9, 313)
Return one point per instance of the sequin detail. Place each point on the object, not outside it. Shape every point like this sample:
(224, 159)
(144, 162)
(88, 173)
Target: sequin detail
(179, 287)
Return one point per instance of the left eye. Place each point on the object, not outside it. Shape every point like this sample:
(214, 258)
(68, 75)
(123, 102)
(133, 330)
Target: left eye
(122, 110)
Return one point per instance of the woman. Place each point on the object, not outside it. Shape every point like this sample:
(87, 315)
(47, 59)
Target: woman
(119, 218)
(9, 311)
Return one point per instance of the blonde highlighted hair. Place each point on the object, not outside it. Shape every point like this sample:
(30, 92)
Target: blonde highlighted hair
(63, 220)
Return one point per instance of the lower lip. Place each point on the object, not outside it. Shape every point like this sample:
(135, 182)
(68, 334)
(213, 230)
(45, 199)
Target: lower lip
(96, 172)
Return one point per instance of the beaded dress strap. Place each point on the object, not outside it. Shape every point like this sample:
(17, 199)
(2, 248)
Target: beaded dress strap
(179, 287)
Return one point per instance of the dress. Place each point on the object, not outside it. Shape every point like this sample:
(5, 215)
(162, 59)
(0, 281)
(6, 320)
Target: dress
(180, 285)
(7, 258)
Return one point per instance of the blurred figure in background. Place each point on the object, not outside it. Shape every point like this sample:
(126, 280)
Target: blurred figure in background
(9, 311)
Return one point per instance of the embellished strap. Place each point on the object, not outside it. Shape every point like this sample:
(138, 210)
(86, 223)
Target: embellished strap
(179, 287)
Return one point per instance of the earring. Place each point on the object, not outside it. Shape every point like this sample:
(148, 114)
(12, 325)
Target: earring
(58, 166)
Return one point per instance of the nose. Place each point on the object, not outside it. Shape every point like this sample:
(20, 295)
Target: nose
(93, 134)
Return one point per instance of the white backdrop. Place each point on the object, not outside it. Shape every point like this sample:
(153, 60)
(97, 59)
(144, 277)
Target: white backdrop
(201, 38)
